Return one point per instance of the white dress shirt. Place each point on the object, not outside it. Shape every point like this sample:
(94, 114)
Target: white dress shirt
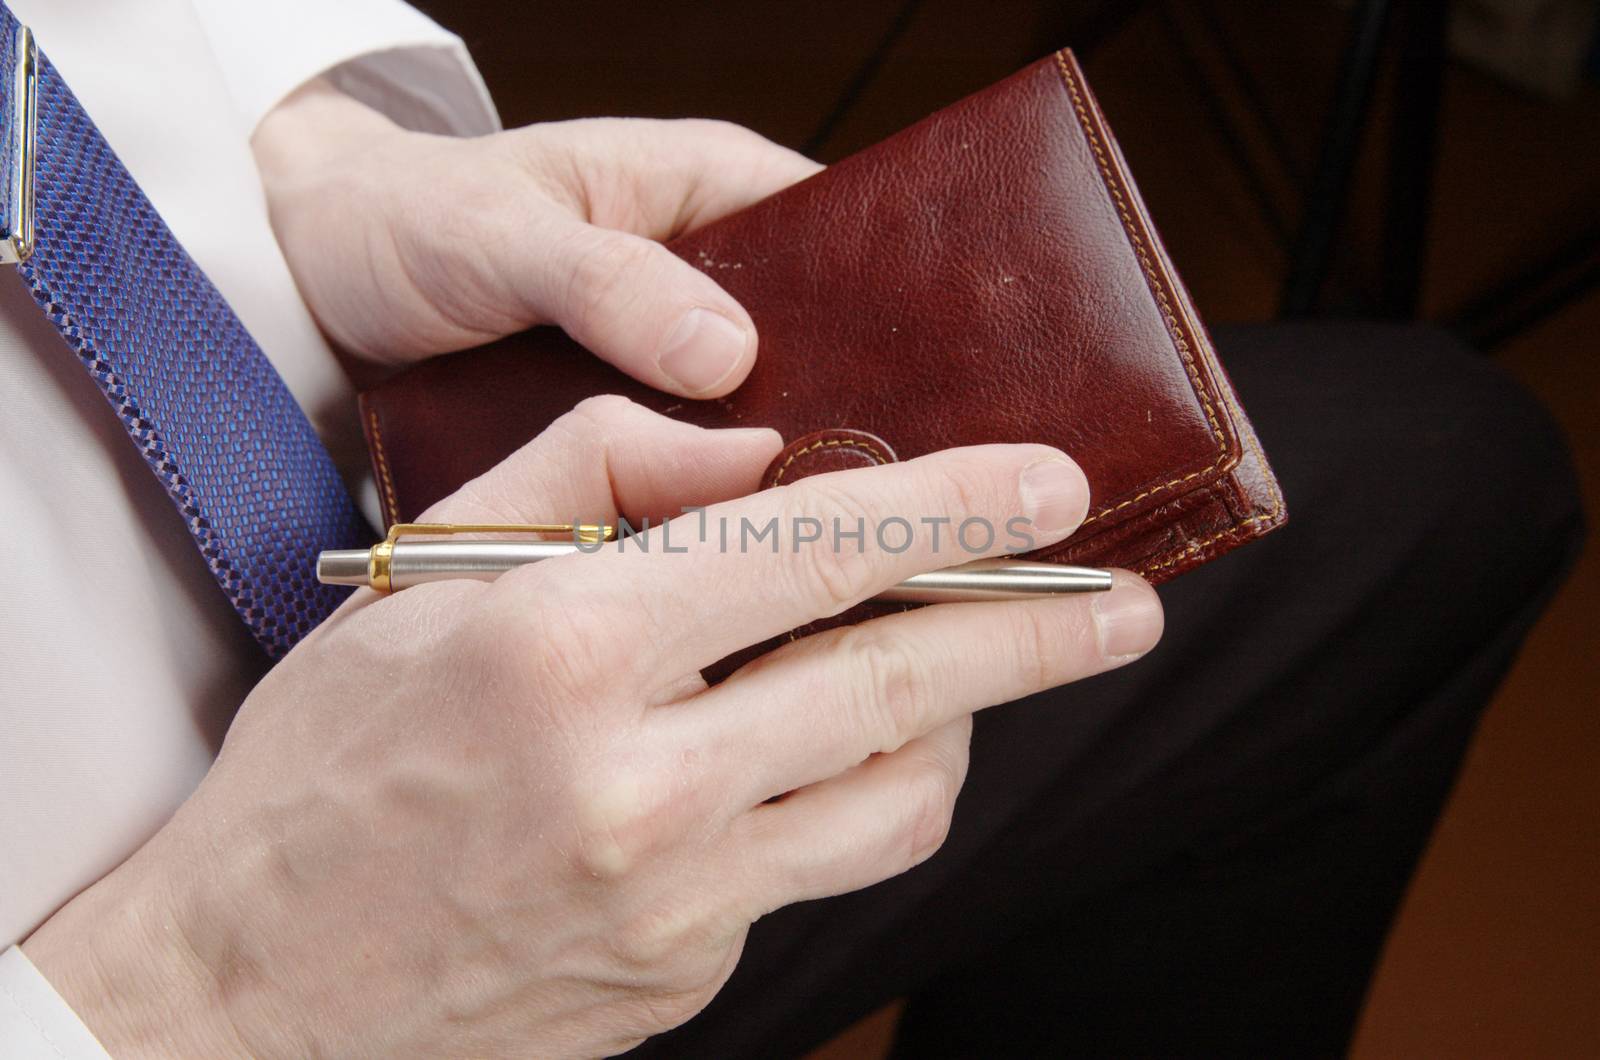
(121, 662)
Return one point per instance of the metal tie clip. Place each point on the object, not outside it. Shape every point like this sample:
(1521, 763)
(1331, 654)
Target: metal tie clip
(20, 149)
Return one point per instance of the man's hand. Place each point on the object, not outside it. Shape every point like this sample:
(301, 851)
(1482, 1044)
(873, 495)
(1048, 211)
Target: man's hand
(511, 819)
(406, 245)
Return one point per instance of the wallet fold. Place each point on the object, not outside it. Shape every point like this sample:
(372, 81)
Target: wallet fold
(989, 274)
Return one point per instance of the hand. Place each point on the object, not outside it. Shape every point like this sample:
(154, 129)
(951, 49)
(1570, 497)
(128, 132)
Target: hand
(406, 245)
(511, 819)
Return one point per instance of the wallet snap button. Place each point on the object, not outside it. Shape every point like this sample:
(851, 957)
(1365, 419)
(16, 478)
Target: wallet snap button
(834, 449)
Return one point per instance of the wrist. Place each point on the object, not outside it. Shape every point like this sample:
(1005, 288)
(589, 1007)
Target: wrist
(120, 955)
(312, 132)
(329, 168)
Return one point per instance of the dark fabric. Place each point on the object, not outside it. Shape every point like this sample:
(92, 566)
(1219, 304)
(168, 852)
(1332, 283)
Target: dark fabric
(1201, 853)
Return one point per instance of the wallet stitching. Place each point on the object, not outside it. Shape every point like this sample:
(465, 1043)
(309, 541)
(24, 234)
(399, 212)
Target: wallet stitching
(384, 478)
(1136, 238)
(1271, 515)
(1200, 546)
(823, 444)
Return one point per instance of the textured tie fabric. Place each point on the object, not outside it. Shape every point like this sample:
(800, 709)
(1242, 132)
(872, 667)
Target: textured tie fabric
(206, 409)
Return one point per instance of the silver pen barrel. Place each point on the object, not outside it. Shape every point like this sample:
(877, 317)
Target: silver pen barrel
(418, 562)
(997, 579)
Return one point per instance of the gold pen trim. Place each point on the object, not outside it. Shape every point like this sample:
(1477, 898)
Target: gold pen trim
(380, 559)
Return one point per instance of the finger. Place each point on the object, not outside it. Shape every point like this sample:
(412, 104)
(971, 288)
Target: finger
(881, 818)
(1028, 495)
(599, 275)
(631, 302)
(735, 168)
(823, 703)
(663, 178)
(606, 458)
(610, 457)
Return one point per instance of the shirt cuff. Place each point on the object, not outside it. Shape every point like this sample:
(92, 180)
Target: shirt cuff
(384, 53)
(35, 1023)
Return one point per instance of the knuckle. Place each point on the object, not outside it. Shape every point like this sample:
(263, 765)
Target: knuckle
(933, 798)
(539, 637)
(834, 576)
(605, 411)
(960, 752)
(663, 1005)
(648, 941)
(487, 497)
(620, 816)
(571, 638)
(962, 489)
(778, 873)
(710, 127)
(604, 269)
(674, 959)
(723, 138)
(894, 686)
(1036, 640)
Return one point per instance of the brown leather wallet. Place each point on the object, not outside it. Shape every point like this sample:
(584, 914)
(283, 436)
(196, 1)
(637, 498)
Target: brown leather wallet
(989, 274)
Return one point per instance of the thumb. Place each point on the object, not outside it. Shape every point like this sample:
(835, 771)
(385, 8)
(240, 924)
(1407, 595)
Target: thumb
(634, 303)
(625, 297)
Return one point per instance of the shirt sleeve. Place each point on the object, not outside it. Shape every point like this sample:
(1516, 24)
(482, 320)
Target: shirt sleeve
(35, 1023)
(383, 52)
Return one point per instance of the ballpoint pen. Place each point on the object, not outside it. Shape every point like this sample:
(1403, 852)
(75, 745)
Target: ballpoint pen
(394, 564)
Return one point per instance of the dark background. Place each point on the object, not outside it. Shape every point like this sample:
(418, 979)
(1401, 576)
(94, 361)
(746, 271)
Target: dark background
(1473, 201)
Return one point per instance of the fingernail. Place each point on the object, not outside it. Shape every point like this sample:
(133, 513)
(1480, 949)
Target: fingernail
(1128, 618)
(702, 350)
(1055, 497)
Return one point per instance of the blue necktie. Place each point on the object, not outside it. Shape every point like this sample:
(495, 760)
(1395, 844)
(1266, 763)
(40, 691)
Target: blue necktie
(202, 403)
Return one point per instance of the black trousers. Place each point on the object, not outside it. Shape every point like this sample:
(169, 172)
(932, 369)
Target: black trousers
(1201, 854)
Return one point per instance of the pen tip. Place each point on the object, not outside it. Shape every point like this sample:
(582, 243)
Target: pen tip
(345, 566)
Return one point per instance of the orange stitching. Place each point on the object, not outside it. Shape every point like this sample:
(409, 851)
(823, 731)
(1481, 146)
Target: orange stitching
(1136, 498)
(1136, 238)
(1271, 515)
(384, 478)
(1200, 546)
(823, 444)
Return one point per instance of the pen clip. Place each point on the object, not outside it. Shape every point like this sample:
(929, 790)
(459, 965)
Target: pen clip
(379, 559)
